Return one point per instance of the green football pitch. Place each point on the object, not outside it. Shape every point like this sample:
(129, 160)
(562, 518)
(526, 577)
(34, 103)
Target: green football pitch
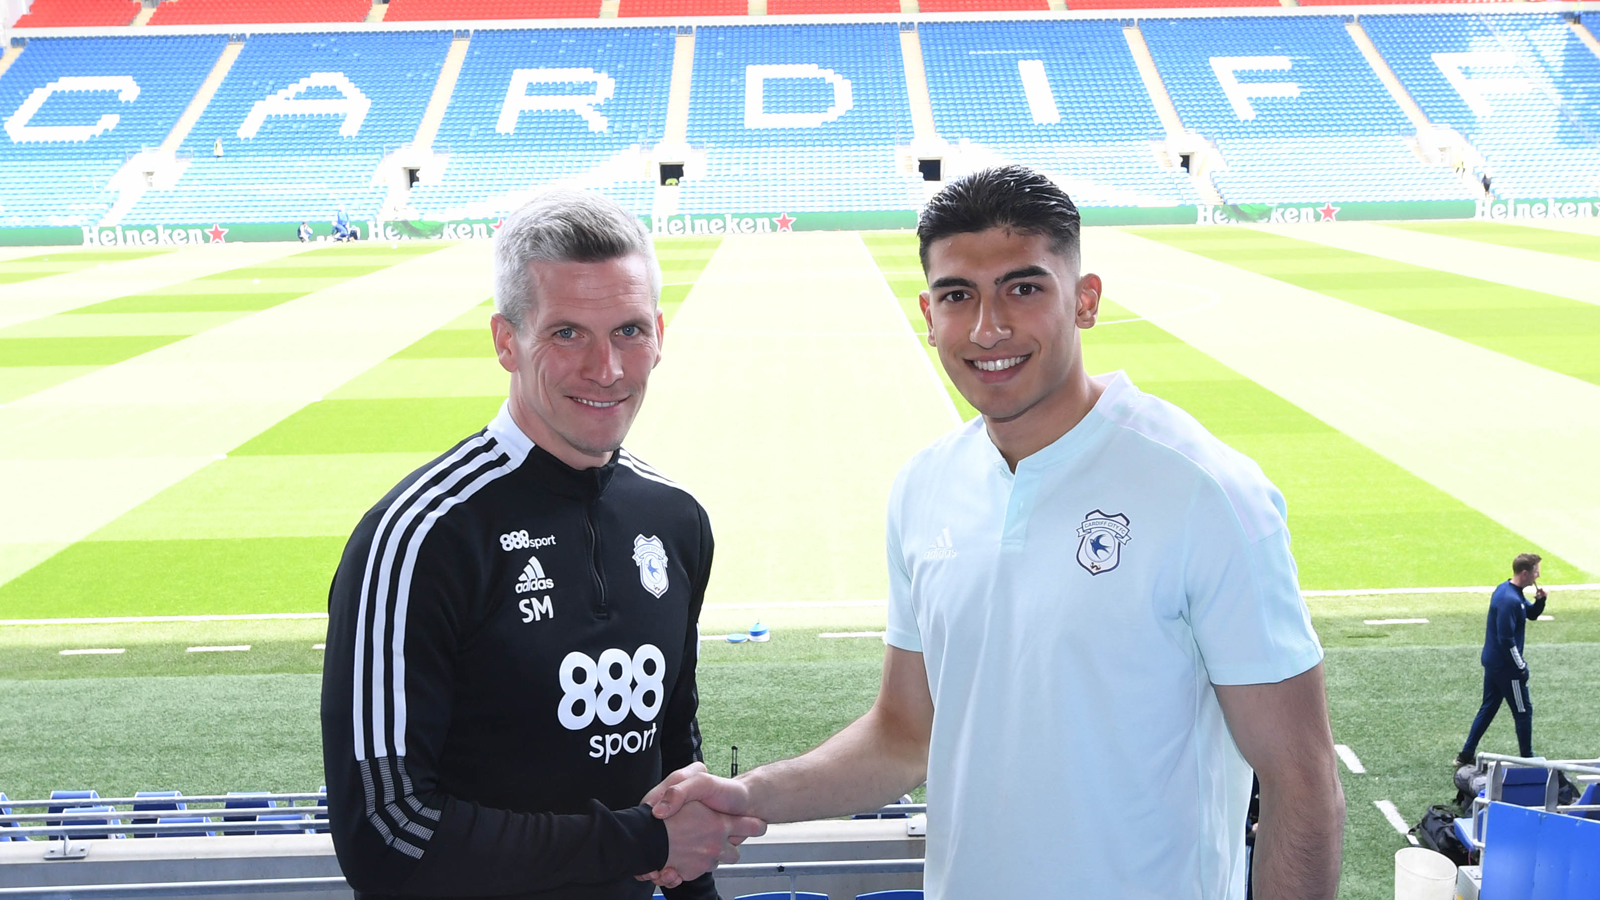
(192, 434)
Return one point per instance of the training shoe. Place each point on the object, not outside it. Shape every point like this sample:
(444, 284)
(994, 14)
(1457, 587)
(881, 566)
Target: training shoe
(1465, 761)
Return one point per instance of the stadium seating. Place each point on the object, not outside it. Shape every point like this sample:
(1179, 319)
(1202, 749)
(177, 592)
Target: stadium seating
(80, 808)
(1539, 127)
(78, 13)
(783, 895)
(258, 12)
(5, 811)
(940, 6)
(1165, 4)
(1064, 97)
(282, 154)
(64, 154)
(819, 135)
(640, 8)
(468, 10)
(891, 895)
(1281, 92)
(500, 149)
(830, 7)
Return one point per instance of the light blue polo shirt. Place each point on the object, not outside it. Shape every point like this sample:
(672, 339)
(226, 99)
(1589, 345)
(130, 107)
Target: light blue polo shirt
(1073, 618)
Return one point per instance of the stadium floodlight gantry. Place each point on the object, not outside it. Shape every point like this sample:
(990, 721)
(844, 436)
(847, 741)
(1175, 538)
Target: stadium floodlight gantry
(1064, 97)
(77, 108)
(1295, 109)
(799, 117)
(302, 121)
(78, 13)
(1521, 87)
(534, 106)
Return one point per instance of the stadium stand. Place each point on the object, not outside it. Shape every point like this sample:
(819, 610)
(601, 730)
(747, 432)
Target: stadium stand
(830, 7)
(5, 811)
(469, 10)
(1292, 93)
(258, 12)
(303, 121)
(818, 134)
(1064, 97)
(942, 6)
(76, 108)
(1521, 87)
(532, 107)
(640, 8)
(78, 13)
(1166, 4)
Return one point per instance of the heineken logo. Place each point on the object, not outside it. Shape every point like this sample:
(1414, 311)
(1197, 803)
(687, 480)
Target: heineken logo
(723, 224)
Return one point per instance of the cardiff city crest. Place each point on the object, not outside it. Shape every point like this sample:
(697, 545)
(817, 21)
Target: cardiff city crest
(1101, 539)
(652, 560)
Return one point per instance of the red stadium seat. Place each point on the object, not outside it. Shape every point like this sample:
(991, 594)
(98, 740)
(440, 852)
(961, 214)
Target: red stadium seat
(940, 6)
(436, 10)
(830, 7)
(78, 13)
(636, 8)
(258, 12)
(1386, 2)
(1165, 4)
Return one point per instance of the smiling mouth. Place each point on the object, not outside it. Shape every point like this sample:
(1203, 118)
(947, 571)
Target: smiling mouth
(597, 404)
(997, 365)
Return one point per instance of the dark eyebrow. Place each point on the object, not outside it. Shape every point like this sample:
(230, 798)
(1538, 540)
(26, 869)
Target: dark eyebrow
(1024, 272)
(951, 281)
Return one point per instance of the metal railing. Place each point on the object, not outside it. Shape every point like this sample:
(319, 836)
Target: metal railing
(206, 814)
(1581, 772)
(791, 870)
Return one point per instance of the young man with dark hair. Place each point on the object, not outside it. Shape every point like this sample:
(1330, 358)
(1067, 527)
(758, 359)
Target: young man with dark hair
(1505, 671)
(512, 630)
(1095, 629)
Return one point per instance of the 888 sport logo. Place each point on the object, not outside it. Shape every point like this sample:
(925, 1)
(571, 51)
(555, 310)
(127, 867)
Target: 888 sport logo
(608, 689)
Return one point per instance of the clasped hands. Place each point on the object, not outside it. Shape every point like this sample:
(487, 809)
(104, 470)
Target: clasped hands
(707, 819)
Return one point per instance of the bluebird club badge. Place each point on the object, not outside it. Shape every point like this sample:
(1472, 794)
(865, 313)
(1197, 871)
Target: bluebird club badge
(1101, 539)
(652, 560)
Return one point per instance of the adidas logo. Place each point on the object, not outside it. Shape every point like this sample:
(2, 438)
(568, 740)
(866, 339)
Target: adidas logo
(941, 548)
(533, 578)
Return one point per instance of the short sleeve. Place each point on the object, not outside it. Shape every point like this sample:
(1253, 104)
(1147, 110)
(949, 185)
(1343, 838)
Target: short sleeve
(902, 630)
(1243, 589)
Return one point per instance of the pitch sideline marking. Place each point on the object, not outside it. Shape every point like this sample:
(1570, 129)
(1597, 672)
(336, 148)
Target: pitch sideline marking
(94, 651)
(1350, 760)
(1393, 815)
(233, 648)
(799, 604)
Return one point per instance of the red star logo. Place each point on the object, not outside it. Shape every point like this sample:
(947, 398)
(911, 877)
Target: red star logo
(216, 232)
(1328, 211)
(497, 224)
(784, 222)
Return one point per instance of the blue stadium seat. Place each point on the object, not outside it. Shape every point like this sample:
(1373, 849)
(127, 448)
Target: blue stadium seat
(1591, 797)
(60, 176)
(81, 808)
(245, 800)
(284, 162)
(163, 801)
(6, 811)
(1063, 97)
(1538, 130)
(1325, 129)
(500, 151)
(783, 895)
(891, 895)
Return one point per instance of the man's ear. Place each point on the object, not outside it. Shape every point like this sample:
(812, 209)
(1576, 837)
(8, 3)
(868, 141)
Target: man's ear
(1088, 307)
(505, 341)
(924, 300)
(661, 335)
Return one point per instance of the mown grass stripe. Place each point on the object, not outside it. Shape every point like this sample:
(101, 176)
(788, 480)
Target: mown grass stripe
(896, 256)
(682, 260)
(1543, 240)
(88, 351)
(60, 262)
(1557, 333)
(1357, 518)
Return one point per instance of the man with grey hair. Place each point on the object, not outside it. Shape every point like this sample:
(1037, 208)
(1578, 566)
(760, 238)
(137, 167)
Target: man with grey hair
(512, 630)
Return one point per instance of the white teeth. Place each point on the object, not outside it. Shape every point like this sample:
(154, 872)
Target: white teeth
(597, 404)
(996, 365)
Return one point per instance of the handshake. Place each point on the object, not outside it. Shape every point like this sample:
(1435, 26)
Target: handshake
(707, 819)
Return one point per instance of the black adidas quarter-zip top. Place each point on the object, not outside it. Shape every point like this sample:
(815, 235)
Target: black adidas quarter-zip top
(510, 667)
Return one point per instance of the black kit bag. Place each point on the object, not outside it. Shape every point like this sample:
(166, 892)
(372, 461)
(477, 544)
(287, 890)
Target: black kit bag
(1437, 832)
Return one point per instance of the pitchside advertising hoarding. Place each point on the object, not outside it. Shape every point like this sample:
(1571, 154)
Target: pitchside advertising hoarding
(181, 235)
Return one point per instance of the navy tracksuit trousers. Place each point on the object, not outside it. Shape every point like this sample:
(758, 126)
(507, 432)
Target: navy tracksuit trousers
(1510, 686)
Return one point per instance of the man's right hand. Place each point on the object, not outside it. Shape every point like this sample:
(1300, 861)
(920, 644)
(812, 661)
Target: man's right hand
(694, 784)
(698, 838)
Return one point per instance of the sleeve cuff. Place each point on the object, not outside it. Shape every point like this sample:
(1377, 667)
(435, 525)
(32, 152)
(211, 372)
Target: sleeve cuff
(903, 639)
(1269, 672)
(650, 835)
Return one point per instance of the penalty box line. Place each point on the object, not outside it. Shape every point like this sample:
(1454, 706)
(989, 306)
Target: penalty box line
(796, 604)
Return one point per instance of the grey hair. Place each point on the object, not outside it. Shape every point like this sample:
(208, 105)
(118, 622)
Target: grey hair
(564, 225)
